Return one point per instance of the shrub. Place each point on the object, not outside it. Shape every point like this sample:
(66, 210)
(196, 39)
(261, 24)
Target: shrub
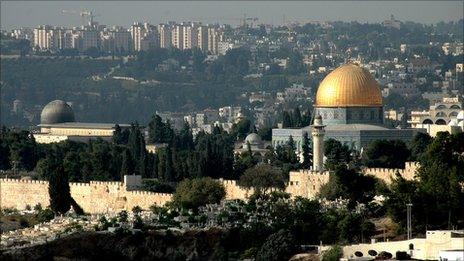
(333, 254)
(250, 253)
(122, 216)
(45, 215)
(278, 246)
(138, 223)
(38, 207)
(23, 222)
(136, 210)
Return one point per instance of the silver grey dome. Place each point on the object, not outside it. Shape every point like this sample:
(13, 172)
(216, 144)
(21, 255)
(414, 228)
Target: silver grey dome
(56, 111)
(253, 139)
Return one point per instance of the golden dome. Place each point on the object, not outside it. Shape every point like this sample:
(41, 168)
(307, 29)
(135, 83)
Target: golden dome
(349, 86)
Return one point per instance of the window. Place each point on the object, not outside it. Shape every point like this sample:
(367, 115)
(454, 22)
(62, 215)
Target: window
(455, 107)
(440, 114)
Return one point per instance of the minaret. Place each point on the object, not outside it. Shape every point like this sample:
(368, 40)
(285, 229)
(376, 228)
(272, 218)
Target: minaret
(317, 133)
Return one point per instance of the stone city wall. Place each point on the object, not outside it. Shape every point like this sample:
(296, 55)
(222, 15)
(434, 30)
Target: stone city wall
(110, 197)
(306, 183)
(387, 175)
(93, 197)
(234, 191)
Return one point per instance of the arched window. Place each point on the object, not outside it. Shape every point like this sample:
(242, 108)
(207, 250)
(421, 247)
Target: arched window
(358, 253)
(441, 107)
(427, 121)
(440, 114)
(455, 107)
(453, 114)
(385, 254)
(440, 122)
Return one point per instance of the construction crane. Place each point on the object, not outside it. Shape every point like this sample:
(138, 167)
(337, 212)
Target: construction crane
(247, 19)
(82, 14)
(244, 21)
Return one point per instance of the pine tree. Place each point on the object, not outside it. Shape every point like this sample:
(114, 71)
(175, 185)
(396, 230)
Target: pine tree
(59, 191)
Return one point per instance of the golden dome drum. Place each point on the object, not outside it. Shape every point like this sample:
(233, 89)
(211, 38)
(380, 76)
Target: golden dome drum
(349, 86)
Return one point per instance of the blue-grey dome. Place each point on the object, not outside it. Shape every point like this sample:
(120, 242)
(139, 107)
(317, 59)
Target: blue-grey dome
(56, 111)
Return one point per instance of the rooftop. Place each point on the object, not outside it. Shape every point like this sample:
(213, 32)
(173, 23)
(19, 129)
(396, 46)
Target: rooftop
(84, 125)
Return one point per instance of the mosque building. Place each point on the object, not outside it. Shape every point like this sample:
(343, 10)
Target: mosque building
(253, 143)
(57, 123)
(349, 102)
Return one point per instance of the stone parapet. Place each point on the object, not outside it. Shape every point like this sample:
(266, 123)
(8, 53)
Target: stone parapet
(93, 197)
(113, 196)
(387, 175)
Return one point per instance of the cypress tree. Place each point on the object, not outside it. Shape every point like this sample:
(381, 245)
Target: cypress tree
(155, 166)
(287, 120)
(296, 119)
(59, 191)
(169, 171)
(306, 118)
(127, 167)
(290, 149)
(306, 151)
(117, 134)
(161, 165)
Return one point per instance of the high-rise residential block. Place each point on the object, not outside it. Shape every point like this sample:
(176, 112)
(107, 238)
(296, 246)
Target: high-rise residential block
(165, 35)
(177, 36)
(137, 32)
(203, 38)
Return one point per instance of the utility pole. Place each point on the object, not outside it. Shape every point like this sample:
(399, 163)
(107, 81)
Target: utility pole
(408, 220)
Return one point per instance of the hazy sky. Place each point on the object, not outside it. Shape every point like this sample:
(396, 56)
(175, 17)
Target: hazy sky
(31, 13)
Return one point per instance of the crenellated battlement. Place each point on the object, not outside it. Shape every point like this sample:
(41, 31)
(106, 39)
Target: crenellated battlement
(149, 193)
(79, 184)
(93, 197)
(26, 181)
(107, 183)
(387, 174)
(104, 196)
